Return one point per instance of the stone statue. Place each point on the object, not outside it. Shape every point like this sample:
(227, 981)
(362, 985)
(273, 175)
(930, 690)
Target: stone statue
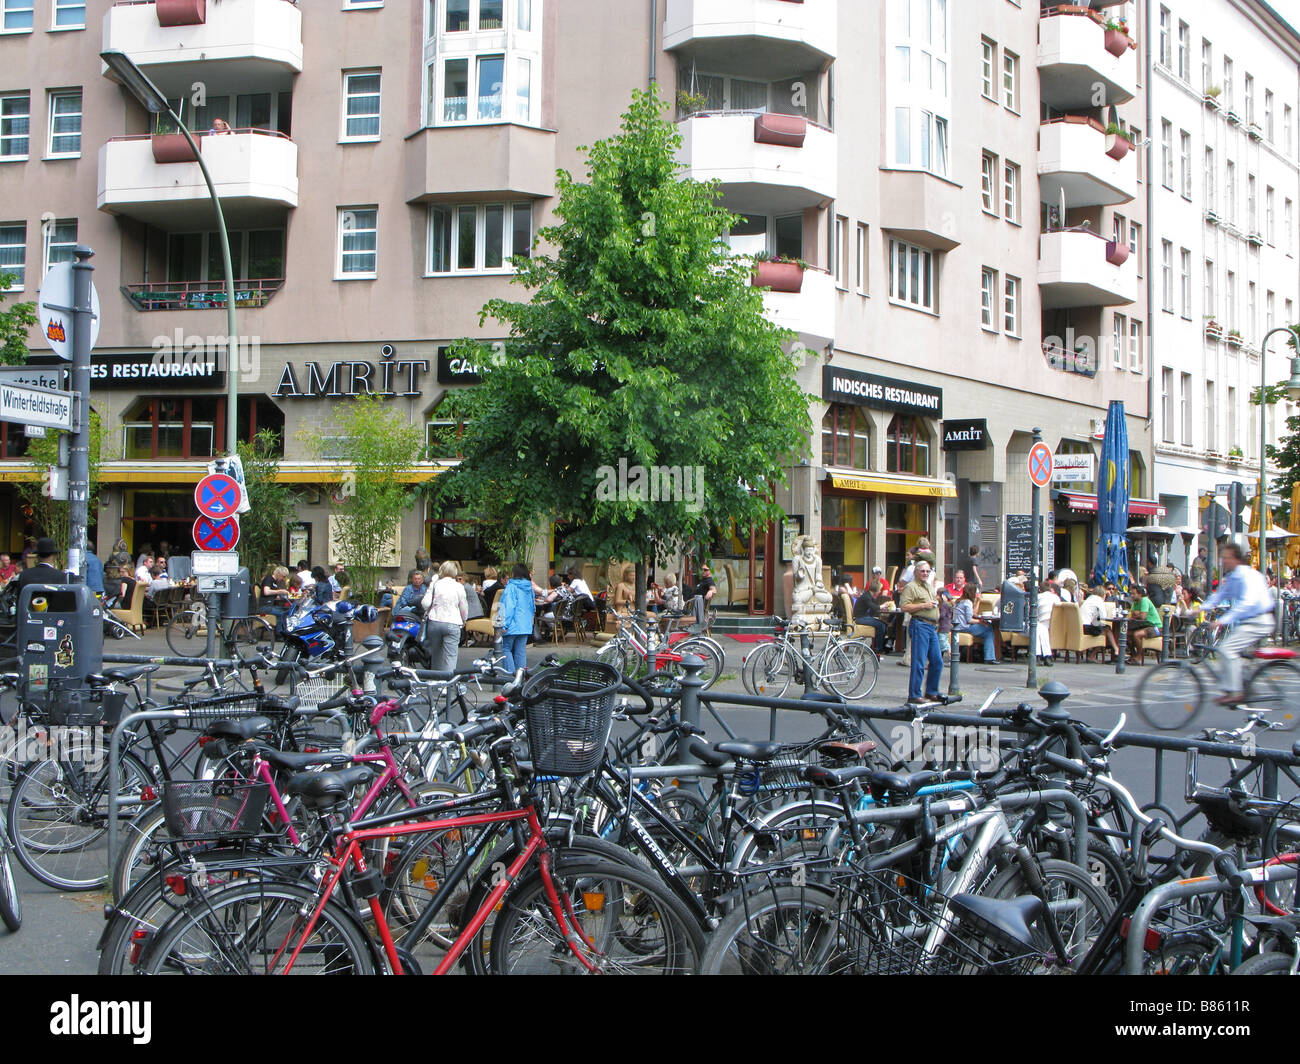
(809, 599)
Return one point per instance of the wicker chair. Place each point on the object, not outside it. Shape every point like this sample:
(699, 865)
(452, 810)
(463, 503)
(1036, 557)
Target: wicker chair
(133, 616)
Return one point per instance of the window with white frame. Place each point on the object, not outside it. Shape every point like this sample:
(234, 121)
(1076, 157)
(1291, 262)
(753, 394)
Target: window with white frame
(864, 265)
(361, 104)
(1287, 128)
(1185, 162)
(1119, 336)
(1135, 245)
(839, 261)
(13, 255)
(1011, 192)
(1230, 190)
(1135, 346)
(483, 60)
(1165, 33)
(988, 298)
(1118, 228)
(19, 16)
(988, 68)
(478, 237)
(913, 276)
(1185, 282)
(1011, 305)
(1207, 65)
(358, 243)
(1232, 413)
(1010, 81)
(1184, 52)
(1270, 308)
(1211, 418)
(349, 4)
(1252, 204)
(918, 93)
(1210, 201)
(60, 239)
(1290, 312)
(69, 14)
(1270, 204)
(1167, 154)
(1230, 298)
(988, 182)
(1167, 275)
(15, 125)
(1252, 311)
(1249, 95)
(1167, 404)
(1185, 407)
(1268, 115)
(65, 124)
(1287, 218)
(1211, 290)
(1136, 138)
(1229, 98)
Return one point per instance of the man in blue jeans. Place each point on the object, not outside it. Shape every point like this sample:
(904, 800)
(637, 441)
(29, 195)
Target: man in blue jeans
(918, 601)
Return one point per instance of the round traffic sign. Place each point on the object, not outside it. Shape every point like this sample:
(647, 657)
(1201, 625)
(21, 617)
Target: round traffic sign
(1040, 465)
(54, 310)
(217, 496)
(214, 535)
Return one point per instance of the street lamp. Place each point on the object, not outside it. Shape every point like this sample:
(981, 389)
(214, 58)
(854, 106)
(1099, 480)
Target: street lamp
(1292, 387)
(144, 90)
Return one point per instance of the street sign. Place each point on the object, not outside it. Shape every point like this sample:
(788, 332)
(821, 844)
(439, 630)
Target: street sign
(234, 467)
(34, 431)
(1071, 467)
(213, 535)
(55, 310)
(1222, 489)
(52, 378)
(217, 496)
(213, 563)
(36, 406)
(1040, 465)
(1272, 500)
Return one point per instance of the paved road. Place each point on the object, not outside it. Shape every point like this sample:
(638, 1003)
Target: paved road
(59, 930)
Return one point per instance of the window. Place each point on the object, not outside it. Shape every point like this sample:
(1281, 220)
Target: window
(1230, 298)
(524, 15)
(1270, 308)
(1252, 214)
(1010, 81)
(1207, 65)
(1230, 191)
(1167, 275)
(65, 124)
(907, 446)
(358, 242)
(1268, 115)
(255, 254)
(846, 437)
(1228, 98)
(69, 14)
(988, 180)
(1211, 418)
(913, 279)
(1118, 228)
(1165, 23)
(1135, 245)
(13, 254)
(1011, 192)
(361, 105)
(1185, 281)
(1167, 154)
(840, 259)
(1270, 204)
(15, 125)
(362, 3)
(1184, 52)
(1167, 405)
(18, 16)
(988, 298)
(470, 77)
(1286, 225)
(1249, 95)
(1185, 161)
(1232, 413)
(1290, 313)
(1119, 334)
(60, 239)
(864, 249)
(1252, 309)
(1211, 202)
(477, 237)
(1137, 155)
(1211, 301)
(1135, 346)
(1011, 306)
(988, 65)
(1287, 127)
(1185, 406)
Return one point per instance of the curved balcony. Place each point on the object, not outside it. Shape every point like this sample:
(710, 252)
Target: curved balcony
(1077, 157)
(1073, 62)
(252, 169)
(771, 38)
(235, 38)
(810, 312)
(759, 162)
(1079, 268)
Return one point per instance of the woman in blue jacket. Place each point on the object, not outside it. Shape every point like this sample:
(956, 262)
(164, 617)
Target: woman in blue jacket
(515, 616)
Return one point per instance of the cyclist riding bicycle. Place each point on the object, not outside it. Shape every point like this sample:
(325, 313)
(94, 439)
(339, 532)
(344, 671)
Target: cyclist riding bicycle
(1250, 618)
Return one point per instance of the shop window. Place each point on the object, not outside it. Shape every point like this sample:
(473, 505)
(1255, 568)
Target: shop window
(844, 536)
(905, 523)
(846, 437)
(188, 427)
(13, 440)
(907, 446)
(1076, 447)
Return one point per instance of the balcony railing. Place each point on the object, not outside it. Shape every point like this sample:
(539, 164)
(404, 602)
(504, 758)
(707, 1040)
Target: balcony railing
(1077, 55)
(1082, 362)
(201, 295)
(208, 32)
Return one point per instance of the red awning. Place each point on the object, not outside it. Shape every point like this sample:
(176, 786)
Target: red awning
(1077, 500)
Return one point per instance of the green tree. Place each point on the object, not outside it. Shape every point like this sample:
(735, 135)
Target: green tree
(375, 455)
(272, 504)
(51, 515)
(14, 323)
(1287, 456)
(643, 341)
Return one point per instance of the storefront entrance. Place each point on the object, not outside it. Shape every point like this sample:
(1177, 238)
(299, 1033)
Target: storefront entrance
(158, 520)
(741, 570)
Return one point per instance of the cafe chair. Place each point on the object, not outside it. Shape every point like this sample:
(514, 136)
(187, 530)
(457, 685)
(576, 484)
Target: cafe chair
(133, 617)
(965, 643)
(483, 629)
(1155, 644)
(1072, 637)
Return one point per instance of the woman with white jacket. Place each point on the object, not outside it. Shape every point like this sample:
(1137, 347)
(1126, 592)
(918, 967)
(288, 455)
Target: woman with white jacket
(445, 608)
(1048, 600)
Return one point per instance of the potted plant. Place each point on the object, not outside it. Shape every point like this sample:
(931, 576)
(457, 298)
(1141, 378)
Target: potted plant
(1117, 38)
(1211, 96)
(1117, 142)
(1213, 328)
(778, 272)
(1234, 338)
(689, 103)
(1235, 454)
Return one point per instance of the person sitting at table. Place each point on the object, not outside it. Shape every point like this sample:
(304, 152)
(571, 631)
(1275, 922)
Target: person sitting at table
(958, 586)
(1144, 623)
(964, 620)
(866, 612)
(1090, 615)
(275, 596)
(7, 569)
(1048, 600)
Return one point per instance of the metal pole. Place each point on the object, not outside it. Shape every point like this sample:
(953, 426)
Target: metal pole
(79, 454)
(214, 620)
(954, 665)
(689, 708)
(1031, 678)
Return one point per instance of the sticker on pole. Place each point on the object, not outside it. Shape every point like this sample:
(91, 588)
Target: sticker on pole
(217, 496)
(213, 535)
(1040, 465)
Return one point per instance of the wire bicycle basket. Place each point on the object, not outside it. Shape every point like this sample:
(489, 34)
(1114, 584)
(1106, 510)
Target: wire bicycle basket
(208, 809)
(569, 711)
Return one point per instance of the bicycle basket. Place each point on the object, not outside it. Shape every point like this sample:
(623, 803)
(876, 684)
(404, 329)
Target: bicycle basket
(81, 709)
(569, 712)
(205, 809)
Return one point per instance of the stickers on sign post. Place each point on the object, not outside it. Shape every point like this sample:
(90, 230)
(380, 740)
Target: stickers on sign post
(218, 496)
(218, 536)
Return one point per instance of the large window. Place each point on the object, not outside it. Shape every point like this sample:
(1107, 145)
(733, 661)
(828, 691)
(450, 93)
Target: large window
(1167, 275)
(15, 125)
(1165, 57)
(18, 16)
(1167, 404)
(69, 14)
(918, 85)
(358, 242)
(907, 446)
(1167, 154)
(1184, 52)
(905, 523)
(844, 534)
(478, 237)
(13, 254)
(1211, 418)
(483, 59)
(1011, 305)
(1185, 282)
(255, 254)
(1185, 162)
(361, 98)
(1010, 81)
(913, 277)
(988, 298)
(988, 67)
(988, 182)
(60, 239)
(65, 124)
(1011, 192)
(846, 437)
(191, 427)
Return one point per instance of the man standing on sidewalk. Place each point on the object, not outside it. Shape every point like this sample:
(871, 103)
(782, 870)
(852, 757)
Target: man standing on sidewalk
(1250, 618)
(918, 601)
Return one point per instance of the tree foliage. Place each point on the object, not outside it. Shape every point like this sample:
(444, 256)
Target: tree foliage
(375, 454)
(1287, 456)
(272, 504)
(14, 324)
(643, 341)
(51, 515)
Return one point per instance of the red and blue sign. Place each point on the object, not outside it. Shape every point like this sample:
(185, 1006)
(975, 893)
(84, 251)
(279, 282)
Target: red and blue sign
(1040, 465)
(210, 534)
(217, 497)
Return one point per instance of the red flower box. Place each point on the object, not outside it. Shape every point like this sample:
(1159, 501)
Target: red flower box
(1116, 42)
(182, 12)
(1116, 253)
(786, 130)
(172, 148)
(778, 276)
(1119, 148)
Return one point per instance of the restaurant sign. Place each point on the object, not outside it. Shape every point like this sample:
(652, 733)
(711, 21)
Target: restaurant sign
(969, 435)
(882, 393)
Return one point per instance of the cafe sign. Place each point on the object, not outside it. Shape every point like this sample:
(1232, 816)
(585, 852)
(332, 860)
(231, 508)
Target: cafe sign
(881, 393)
(1070, 468)
(969, 435)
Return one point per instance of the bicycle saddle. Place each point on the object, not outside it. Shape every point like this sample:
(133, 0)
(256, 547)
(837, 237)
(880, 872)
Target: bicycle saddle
(834, 778)
(755, 751)
(280, 703)
(324, 790)
(124, 675)
(901, 783)
(333, 759)
(1007, 919)
(244, 728)
(698, 748)
(842, 751)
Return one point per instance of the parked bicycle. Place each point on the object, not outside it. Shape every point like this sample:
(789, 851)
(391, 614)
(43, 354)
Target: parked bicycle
(847, 667)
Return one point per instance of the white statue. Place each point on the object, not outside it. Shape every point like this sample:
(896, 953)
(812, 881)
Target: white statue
(809, 599)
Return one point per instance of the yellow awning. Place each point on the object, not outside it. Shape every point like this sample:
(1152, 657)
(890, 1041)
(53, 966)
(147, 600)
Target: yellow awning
(895, 484)
(193, 472)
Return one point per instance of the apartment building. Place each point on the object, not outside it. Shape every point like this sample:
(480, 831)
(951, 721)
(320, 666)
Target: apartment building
(1225, 78)
(978, 241)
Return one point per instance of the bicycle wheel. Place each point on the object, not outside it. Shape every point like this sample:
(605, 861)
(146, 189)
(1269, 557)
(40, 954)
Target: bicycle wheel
(1170, 696)
(778, 931)
(187, 632)
(771, 670)
(1079, 906)
(56, 819)
(621, 920)
(1275, 687)
(254, 929)
(1266, 964)
(851, 670)
(11, 905)
(713, 661)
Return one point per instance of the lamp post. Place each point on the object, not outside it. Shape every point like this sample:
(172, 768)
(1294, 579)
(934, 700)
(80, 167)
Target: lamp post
(144, 90)
(1293, 392)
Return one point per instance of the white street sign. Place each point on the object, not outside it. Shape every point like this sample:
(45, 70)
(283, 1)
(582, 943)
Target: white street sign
(1071, 467)
(214, 562)
(48, 377)
(1272, 500)
(55, 310)
(36, 406)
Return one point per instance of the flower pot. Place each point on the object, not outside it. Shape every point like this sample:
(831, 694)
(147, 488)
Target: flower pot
(1116, 42)
(786, 130)
(171, 148)
(778, 276)
(1116, 253)
(182, 12)
(1116, 146)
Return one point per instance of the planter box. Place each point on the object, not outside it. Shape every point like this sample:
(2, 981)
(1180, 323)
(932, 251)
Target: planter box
(1212, 102)
(171, 148)
(786, 130)
(1116, 146)
(1116, 43)
(182, 12)
(1116, 253)
(778, 276)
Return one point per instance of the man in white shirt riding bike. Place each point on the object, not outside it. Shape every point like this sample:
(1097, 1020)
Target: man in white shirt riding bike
(1250, 618)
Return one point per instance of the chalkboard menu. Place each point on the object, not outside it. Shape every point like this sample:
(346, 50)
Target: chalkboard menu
(1020, 545)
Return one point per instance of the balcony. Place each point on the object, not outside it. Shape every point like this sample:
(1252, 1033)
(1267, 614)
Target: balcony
(921, 207)
(1076, 156)
(736, 148)
(1073, 63)
(252, 169)
(771, 38)
(1078, 268)
(236, 39)
(810, 312)
(496, 159)
(201, 295)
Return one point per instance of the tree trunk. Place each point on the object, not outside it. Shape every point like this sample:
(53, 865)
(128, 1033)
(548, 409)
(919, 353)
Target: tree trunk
(642, 567)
